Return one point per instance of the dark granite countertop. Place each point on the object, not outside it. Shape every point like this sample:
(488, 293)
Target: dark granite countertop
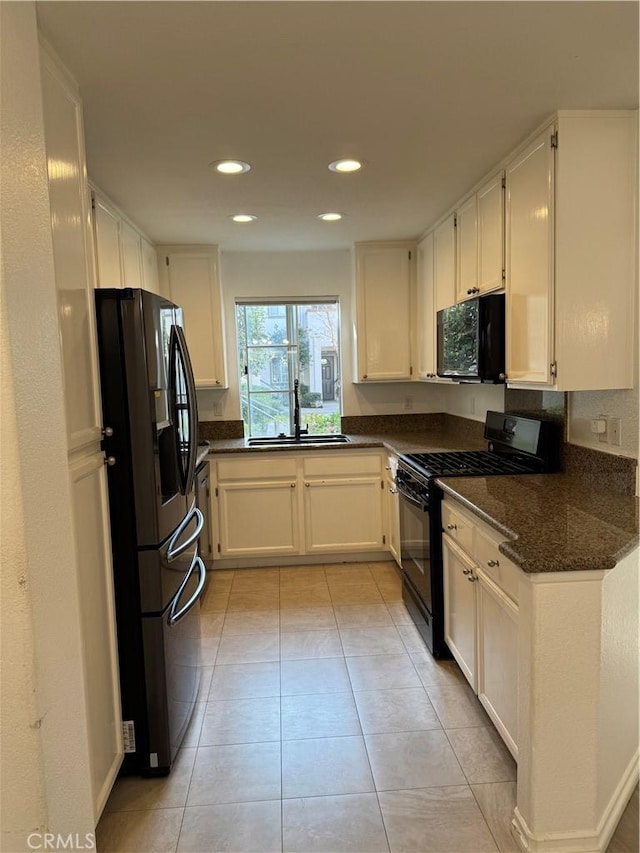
(397, 442)
(552, 522)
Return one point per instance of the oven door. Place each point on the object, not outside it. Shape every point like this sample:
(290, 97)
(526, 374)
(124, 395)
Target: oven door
(415, 545)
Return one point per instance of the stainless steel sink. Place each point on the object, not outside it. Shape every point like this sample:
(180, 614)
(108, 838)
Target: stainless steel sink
(290, 440)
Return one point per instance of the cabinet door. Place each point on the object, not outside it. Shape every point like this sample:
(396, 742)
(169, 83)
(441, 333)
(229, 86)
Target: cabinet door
(258, 518)
(343, 514)
(72, 250)
(529, 263)
(95, 580)
(149, 267)
(393, 513)
(425, 310)
(444, 268)
(383, 297)
(498, 659)
(467, 250)
(460, 608)
(194, 286)
(130, 243)
(491, 234)
(108, 254)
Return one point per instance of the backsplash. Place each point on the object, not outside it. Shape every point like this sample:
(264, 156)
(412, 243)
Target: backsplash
(377, 424)
(214, 430)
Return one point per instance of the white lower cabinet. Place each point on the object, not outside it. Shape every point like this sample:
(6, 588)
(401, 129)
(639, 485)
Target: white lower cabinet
(393, 510)
(481, 615)
(342, 514)
(460, 608)
(298, 504)
(258, 518)
(498, 659)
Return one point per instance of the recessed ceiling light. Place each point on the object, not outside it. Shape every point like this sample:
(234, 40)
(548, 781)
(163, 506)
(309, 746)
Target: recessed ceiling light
(244, 217)
(330, 217)
(345, 165)
(230, 167)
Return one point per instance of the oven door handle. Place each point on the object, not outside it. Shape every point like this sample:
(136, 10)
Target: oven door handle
(423, 506)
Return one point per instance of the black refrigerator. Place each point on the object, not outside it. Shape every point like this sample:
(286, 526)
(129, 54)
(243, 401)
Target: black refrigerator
(150, 442)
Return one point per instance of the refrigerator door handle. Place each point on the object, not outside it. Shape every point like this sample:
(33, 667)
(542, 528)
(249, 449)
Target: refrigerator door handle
(174, 616)
(178, 347)
(174, 551)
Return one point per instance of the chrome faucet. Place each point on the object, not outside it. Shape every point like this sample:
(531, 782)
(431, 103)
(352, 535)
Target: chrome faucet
(297, 432)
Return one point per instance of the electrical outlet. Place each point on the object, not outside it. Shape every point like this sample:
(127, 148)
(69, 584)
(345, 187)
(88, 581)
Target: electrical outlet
(614, 428)
(472, 405)
(217, 410)
(603, 435)
(407, 404)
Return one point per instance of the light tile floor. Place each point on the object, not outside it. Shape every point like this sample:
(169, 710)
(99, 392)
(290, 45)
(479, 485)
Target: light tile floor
(323, 725)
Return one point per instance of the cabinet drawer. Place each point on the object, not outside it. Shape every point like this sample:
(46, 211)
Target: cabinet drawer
(342, 464)
(495, 565)
(273, 468)
(458, 527)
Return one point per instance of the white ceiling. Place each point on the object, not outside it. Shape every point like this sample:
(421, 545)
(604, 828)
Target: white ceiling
(430, 95)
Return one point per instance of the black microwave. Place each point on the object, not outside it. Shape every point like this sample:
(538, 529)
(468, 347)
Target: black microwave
(471, 340)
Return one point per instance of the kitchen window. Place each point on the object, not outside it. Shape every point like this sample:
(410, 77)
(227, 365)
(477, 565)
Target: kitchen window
(280, 341)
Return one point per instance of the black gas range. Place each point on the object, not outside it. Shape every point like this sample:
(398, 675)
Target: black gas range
(516, 445)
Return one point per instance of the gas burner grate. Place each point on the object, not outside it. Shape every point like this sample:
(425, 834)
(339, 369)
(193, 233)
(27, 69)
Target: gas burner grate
(472, 463)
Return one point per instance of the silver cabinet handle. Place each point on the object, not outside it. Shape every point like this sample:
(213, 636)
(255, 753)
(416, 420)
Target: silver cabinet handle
(387, 467)
(472, 578)
(451, 527)
(218, 382)
(110, 461)
(492, 563)
(293, 485)
(307, 485)
(502, 376)
(467, 571)
(107, 432)
(393, 491)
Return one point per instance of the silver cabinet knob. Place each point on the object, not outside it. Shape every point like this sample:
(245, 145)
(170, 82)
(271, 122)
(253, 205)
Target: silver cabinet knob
(107, 432)
(492, 563)
(393, 491)
(502, 376)
(293, 485)
(364, 375)
(466, 571)
(451, 527)
(307, 485)
(110, 461)
(218, 382)
(472, 578)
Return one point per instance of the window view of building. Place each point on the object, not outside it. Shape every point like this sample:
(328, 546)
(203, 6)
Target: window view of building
(277, 344)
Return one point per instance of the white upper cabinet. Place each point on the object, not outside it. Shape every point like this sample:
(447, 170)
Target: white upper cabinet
(131, 247)
(384, 283)
(570, 254)
(530, 263)
(467, 249)
(425, 333)
(124, 258)
(490, 197)
(444, 264)
(106, 224)
(149, 267)
(480, 240)
(193, 284)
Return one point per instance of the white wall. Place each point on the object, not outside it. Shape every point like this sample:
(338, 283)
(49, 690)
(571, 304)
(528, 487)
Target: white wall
(45, 764)
(291, 274)
(473, 401)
